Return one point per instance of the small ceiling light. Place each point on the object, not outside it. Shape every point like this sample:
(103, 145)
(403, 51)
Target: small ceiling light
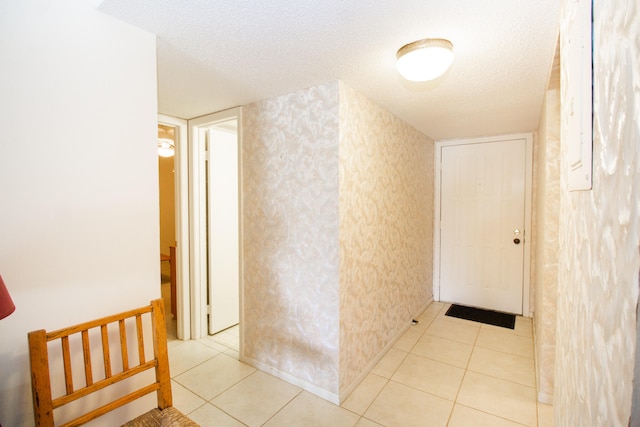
(165, 147)
(425, 59)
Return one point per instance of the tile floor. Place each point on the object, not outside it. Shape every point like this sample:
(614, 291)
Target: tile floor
(442, 372)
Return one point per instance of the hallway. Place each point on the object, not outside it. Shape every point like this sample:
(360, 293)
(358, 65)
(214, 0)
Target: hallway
(442, 372)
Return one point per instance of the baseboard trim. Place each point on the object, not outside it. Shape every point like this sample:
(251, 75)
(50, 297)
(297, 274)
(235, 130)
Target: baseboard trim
(545, 398)
(326, 394)
(344, 394)
(307, 386)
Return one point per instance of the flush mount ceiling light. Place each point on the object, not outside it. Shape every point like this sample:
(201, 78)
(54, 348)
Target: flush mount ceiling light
(425, 59)
(165, 147)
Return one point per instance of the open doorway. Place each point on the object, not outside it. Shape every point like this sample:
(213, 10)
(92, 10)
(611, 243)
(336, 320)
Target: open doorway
(166, 186)
(215, 169)
(174, 225)
(207, 206)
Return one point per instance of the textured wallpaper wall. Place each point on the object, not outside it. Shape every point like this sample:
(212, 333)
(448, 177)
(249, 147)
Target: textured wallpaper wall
(291, 241)
(338, 219)
(546, 241)
(600, 233)
(386, 229)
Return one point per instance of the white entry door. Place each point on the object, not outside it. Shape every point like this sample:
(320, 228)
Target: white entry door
(482, 220)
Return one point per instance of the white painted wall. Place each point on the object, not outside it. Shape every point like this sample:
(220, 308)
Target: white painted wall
(78, 176)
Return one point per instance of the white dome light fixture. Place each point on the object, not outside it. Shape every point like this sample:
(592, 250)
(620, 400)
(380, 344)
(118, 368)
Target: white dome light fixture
(165, 147)
(424, 60)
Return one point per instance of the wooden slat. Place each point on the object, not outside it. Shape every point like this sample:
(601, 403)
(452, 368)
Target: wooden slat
(123, 345)
(111, 406)
(106, 355)
(96, 323)
(120, 376)
(86, 352)
(40, 381)
(66, 360)
(161, 354)
(141, 358)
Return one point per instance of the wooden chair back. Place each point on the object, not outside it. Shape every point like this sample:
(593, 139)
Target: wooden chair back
(109, 373)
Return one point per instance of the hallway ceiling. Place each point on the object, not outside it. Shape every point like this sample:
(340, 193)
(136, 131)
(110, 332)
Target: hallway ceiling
(214, 55)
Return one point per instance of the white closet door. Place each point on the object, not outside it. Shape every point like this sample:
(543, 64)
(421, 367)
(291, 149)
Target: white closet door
(223, 236)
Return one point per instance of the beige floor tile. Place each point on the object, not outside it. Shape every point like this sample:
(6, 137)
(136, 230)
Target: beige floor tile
(444, 350)
(184, 400)
(456, 331)
(307, 410)
(213, 344)
(399, 405)
(389, 363)
(256, 398)
(227, 339)
(234, 330)
(232, 353)
(463, 416)
(408, 339)
(186, 354)
(364, 422)
(360, 399)
(498, 397)
(173, 341)
(214, 376)
(506, 343)
(423, 323)
(210, 416)
(545, 415)
(430, 376)
(434, 309)
(425, 319)
(505, 366)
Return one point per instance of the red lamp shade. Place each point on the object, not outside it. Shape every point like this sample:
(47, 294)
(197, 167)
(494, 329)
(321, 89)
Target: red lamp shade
(6, 304)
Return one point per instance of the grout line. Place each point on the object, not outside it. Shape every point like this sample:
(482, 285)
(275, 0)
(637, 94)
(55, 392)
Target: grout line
(226, 413)
(283, 406)
(493, 415)
(387, 380)
(464, 374)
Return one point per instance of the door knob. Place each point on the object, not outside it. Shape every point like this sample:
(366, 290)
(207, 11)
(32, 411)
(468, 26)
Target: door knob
(516, 233)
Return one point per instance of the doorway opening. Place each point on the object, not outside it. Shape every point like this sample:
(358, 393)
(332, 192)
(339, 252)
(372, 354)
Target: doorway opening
(215, 206)
(166, 184)
(175, 266)
(207, 202)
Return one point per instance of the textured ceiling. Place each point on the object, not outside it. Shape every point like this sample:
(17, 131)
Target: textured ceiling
(214, 55)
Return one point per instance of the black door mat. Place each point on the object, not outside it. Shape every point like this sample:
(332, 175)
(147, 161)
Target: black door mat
(489, 317)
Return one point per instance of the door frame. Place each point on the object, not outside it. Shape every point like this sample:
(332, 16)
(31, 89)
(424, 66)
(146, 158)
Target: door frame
(184, 301)
(198, 218)
(526, 279)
